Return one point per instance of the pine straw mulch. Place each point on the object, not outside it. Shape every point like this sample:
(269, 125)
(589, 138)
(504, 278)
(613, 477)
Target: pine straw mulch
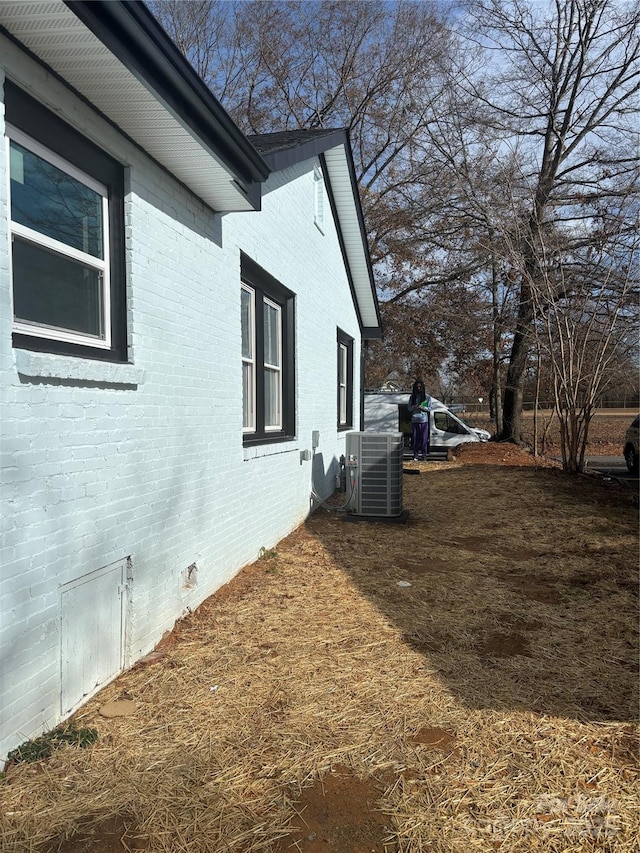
(465, 682)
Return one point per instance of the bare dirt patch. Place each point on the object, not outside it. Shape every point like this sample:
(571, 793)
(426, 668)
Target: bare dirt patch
(435, 738)
(504, 645)
(110, 835)
(467, 681)
(339, 812)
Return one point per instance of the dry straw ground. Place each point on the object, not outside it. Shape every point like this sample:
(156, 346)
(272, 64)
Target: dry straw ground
(465, 682)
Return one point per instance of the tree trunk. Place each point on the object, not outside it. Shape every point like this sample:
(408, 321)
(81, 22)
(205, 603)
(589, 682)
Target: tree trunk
(495, 402)
(536, 404)
(512, 406)
(495, 395)
(574, 432)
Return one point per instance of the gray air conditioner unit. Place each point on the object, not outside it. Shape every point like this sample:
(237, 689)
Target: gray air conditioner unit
(374, 465)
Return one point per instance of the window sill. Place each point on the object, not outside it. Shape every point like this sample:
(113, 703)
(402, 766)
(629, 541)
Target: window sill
(35, 365)
(257, 451)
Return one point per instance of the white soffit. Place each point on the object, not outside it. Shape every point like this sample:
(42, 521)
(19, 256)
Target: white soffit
(342, 189)
(56, 36)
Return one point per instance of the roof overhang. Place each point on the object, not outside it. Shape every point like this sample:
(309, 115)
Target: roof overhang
(345, 201)
(120, 60)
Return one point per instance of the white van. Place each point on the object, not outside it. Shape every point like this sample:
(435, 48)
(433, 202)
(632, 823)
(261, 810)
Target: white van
(389, 412)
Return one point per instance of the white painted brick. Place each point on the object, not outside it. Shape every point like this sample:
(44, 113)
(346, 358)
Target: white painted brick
(146, 460)
(34, 705)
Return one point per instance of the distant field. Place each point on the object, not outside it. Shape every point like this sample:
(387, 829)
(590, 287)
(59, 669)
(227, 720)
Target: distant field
(606, 431)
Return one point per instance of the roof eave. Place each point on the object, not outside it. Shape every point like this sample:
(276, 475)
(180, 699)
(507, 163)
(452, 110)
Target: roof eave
(358, 262)
(134, 37)
(283, 158)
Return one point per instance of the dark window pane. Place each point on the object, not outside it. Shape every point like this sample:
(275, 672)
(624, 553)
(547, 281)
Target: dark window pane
(248, 395)
(446, 423)
(55, 291)
(247, 325)
(271, 335)
(272, 397)
(342, 364)
(53, 203)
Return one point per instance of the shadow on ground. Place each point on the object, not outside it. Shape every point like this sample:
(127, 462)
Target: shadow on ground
(518, 584)
(462, 681)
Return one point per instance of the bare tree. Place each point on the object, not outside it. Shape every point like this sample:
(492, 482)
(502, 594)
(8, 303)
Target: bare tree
(436, 335)
(461, 205)
(478, 142)
(381, 70)
(374, 68)
(586, 304)
(564, 94)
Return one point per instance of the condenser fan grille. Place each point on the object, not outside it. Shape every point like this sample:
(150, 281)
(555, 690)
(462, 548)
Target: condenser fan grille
(376, 461)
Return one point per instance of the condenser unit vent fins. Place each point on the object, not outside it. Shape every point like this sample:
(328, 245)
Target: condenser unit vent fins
(376, 462)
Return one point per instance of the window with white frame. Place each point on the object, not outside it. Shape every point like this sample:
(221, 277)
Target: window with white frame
(248, 307)
(345, 381)
(65, 201)
(318, 197)
(267, 356)
(343, 356)
(272, 314)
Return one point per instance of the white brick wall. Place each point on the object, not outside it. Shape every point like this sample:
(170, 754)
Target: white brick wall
(145, 461)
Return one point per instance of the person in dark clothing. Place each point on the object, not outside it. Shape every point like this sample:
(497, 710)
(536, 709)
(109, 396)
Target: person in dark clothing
(419, 405)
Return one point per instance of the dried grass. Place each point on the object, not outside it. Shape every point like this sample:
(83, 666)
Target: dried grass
(317, 658)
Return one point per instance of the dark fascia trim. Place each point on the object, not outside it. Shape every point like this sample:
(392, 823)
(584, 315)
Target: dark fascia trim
(282, 158)
(134, 36)
(371, 333)
(343, 248)
(254, 194)
(315, 147)
(367, 332)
